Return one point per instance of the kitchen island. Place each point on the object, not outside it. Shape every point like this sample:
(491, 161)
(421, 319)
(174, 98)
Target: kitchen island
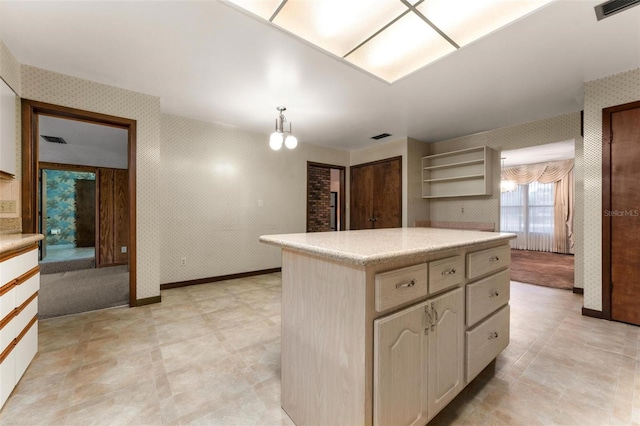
(387, 326)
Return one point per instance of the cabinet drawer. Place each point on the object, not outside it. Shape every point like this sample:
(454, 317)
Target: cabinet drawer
(7, 376)
(7, 302)
(486, 341)
(14, 267)
(445, 273)
(487, 295)
(27, 289)
(396, 287)
(484, 261)
(7, 333)
(26, 349)
(26, 315)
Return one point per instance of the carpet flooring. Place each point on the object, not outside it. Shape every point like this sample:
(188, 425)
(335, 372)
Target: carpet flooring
(541, 268)
(82, 291)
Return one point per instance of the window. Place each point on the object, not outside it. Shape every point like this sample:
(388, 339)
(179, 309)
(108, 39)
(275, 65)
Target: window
(528, 212)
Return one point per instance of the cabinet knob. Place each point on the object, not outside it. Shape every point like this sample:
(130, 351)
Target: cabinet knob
(493, 335)
(494, 259)
(493, 293)
(406, 284)
(449, 271)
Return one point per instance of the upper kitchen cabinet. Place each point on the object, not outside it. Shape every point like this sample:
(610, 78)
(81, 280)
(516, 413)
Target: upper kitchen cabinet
(7, 132)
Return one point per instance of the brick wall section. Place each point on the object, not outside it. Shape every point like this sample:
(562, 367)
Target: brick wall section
(319, 205)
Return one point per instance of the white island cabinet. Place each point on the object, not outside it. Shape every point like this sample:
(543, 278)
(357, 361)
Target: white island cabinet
(387, 326)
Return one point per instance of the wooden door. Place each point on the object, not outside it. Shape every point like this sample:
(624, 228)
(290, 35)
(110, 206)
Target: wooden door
(387, 190)
(623, 216)
(446, 349)
(43, 213)
(376, 194)
(85, 212)
(361, 198)
(400, 368)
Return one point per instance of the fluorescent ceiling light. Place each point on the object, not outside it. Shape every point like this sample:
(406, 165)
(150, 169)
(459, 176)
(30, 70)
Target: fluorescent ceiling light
(390, 38)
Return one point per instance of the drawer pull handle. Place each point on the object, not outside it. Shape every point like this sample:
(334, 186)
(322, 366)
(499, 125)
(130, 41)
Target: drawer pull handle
(449, 271)
(493, 335)
(406, 284)
(493, 293)
(494, 259)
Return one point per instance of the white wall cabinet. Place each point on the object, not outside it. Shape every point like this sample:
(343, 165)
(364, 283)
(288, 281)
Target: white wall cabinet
(7, 131)
(463, 173)
(419, 360)
(19, 285)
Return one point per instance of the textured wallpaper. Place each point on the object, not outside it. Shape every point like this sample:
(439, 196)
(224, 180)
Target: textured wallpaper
(61, 205)
(487, 209)
(46, 86)
(220, 189)
(598, 94)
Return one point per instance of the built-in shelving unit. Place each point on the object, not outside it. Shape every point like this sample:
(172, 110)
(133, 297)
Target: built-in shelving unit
(463, 173)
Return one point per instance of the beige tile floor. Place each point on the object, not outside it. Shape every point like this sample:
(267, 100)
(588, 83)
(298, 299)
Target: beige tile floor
(209, 355)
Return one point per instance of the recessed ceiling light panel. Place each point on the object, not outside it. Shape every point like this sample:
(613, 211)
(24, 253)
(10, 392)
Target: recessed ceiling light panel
(337, 25)
(405, 46)
(468, 20)
(263, 8)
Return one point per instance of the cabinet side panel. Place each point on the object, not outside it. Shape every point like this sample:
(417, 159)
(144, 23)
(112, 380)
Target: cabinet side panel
(323, 341)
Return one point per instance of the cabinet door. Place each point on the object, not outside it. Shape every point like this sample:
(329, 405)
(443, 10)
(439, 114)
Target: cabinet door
(7, 129)
(400, 368)
(446, 349)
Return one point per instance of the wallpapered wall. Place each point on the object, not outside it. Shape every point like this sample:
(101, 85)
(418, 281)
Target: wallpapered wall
(220, 189)
(487, 209)
(598, 94)
(46, 86)
(61, 205)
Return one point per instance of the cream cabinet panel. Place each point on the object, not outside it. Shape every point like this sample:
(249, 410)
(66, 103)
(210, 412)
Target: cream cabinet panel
(7, 376)
(445, 273)
(482, 262)
(486, 341)
(7, 129)
(446, 349)
(399, 286)
(400, 368)
(486, 296)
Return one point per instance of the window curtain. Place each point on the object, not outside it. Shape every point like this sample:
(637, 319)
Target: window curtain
(561, 174)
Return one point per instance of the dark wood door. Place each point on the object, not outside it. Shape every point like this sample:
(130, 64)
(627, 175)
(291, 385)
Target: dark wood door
(376, 194)
(85, 213)
(624, 215)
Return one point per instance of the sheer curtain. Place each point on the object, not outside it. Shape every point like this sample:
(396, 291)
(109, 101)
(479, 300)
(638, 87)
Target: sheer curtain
(540, 211)
(529, 213)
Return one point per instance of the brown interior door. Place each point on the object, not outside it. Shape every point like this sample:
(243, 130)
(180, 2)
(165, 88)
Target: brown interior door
(85, 213)
(376, 194)
(361, 201)
(43, 213)
(624, 216)
(387, 189)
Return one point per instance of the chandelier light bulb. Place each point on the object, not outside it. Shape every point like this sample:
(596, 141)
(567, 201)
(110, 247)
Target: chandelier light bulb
(275, 141)
(291, 142)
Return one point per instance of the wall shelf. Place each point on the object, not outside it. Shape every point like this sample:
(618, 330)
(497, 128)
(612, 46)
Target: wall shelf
(463, 173)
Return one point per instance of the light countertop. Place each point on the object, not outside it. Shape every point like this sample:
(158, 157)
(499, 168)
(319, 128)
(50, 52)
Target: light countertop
(373, 246)
(14, 241)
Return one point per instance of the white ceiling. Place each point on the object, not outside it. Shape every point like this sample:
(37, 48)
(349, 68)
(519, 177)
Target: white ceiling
(209, 61)
(539, 154)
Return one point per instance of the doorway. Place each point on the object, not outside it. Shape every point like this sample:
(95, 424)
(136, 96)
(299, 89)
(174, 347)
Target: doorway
(621, 217)
(325, 197)
(376, 194)
(32, 216)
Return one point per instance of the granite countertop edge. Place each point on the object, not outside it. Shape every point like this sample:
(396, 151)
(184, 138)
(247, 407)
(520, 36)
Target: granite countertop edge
(343, 256)
(10, 242)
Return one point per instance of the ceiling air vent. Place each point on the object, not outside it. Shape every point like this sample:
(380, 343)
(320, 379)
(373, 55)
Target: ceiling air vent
(612, 7)
(53, 139)
(384, 135)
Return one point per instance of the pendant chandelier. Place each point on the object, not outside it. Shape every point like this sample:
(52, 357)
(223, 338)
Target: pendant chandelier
(507, 185)
(281, 135)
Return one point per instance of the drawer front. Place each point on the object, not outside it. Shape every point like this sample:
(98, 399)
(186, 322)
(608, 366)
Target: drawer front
(27, 289)
(18, 265)
(396, 287)
(486, 341)
(7, 334)
(25, 350)
(484, 261)
(27, 314)
(7, 376)
(7, 303)
(445, 273)
(486, 296)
